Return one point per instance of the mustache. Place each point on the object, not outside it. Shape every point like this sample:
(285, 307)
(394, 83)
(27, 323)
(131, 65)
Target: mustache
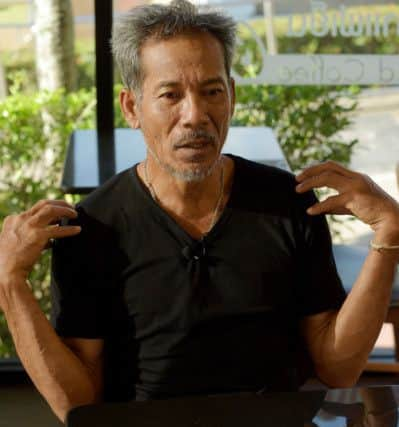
(194, 136)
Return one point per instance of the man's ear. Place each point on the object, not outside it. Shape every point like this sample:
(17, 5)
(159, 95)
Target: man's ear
(129, 107)
(233, 95)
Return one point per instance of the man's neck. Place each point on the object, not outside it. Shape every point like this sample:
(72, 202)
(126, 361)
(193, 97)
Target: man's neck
(193, 200)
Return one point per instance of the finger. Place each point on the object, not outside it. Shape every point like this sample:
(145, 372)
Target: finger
(42, 203)
(331, 205)
(8, 220)
(50, 214)
(58, 232)
(326, 179)
(324, 167)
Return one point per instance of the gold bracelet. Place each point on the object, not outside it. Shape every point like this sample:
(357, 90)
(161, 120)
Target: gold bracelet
(378, 247)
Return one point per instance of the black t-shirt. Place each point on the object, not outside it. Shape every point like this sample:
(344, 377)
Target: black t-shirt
(181, 316)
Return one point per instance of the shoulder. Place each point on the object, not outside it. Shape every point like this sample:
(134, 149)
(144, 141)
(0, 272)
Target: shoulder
(101, 213)
(110, 196)
(265, 184)
(95, 252)
(251, 172)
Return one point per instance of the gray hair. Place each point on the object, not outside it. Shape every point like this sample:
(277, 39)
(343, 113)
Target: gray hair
(161, 21)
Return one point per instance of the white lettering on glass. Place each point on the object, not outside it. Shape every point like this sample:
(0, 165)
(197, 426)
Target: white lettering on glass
(326, 70)
(322, 22)
(319, 19)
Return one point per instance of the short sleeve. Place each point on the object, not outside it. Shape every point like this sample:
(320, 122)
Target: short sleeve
(82, 279)
(319, 287)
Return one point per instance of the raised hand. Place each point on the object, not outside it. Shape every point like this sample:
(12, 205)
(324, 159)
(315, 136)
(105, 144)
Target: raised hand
(357, 195)
(25, 236)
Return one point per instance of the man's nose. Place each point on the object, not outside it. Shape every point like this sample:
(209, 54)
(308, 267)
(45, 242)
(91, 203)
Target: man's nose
(194, 112)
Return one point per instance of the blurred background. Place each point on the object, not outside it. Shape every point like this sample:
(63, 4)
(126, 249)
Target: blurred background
(47, 90)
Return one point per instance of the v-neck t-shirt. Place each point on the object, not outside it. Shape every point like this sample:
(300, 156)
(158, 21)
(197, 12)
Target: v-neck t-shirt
(182, 316)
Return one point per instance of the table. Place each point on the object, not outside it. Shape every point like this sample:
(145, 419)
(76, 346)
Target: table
(82, 170)
(371, 407)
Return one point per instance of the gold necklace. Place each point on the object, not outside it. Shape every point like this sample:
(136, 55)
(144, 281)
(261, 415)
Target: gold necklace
(218, 203)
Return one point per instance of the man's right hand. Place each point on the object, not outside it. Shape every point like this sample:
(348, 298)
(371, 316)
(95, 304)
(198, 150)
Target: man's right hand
(25, 236)
(68, 373)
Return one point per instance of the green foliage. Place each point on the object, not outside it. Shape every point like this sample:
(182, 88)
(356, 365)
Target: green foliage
(339, 44)
(306, 119)
(24, 60)
(34, 130)
(17, 64)
(34, 133)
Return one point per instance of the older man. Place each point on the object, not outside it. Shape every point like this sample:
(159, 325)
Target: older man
(194, 272)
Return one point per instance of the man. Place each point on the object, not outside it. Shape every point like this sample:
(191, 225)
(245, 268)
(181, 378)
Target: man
(193, 272)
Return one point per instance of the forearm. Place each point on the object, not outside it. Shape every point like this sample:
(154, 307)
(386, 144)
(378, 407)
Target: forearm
(340, 342)
(55, 370)
(359, 321)
(352, 333)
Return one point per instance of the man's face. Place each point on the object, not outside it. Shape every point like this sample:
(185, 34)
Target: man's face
(186, 103)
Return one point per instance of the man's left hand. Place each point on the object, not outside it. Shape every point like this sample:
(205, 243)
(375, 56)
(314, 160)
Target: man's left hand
(357, 195)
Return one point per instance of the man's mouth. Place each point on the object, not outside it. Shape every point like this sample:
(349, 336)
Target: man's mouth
(198, 145)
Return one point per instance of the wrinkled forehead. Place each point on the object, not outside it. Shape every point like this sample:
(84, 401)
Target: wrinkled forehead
(185, 56)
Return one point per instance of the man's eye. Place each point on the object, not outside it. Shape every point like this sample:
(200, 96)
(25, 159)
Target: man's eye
(170, 95)
(214, 92)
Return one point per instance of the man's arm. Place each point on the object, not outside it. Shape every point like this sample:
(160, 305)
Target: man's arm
(67, 373)
(339, 342)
